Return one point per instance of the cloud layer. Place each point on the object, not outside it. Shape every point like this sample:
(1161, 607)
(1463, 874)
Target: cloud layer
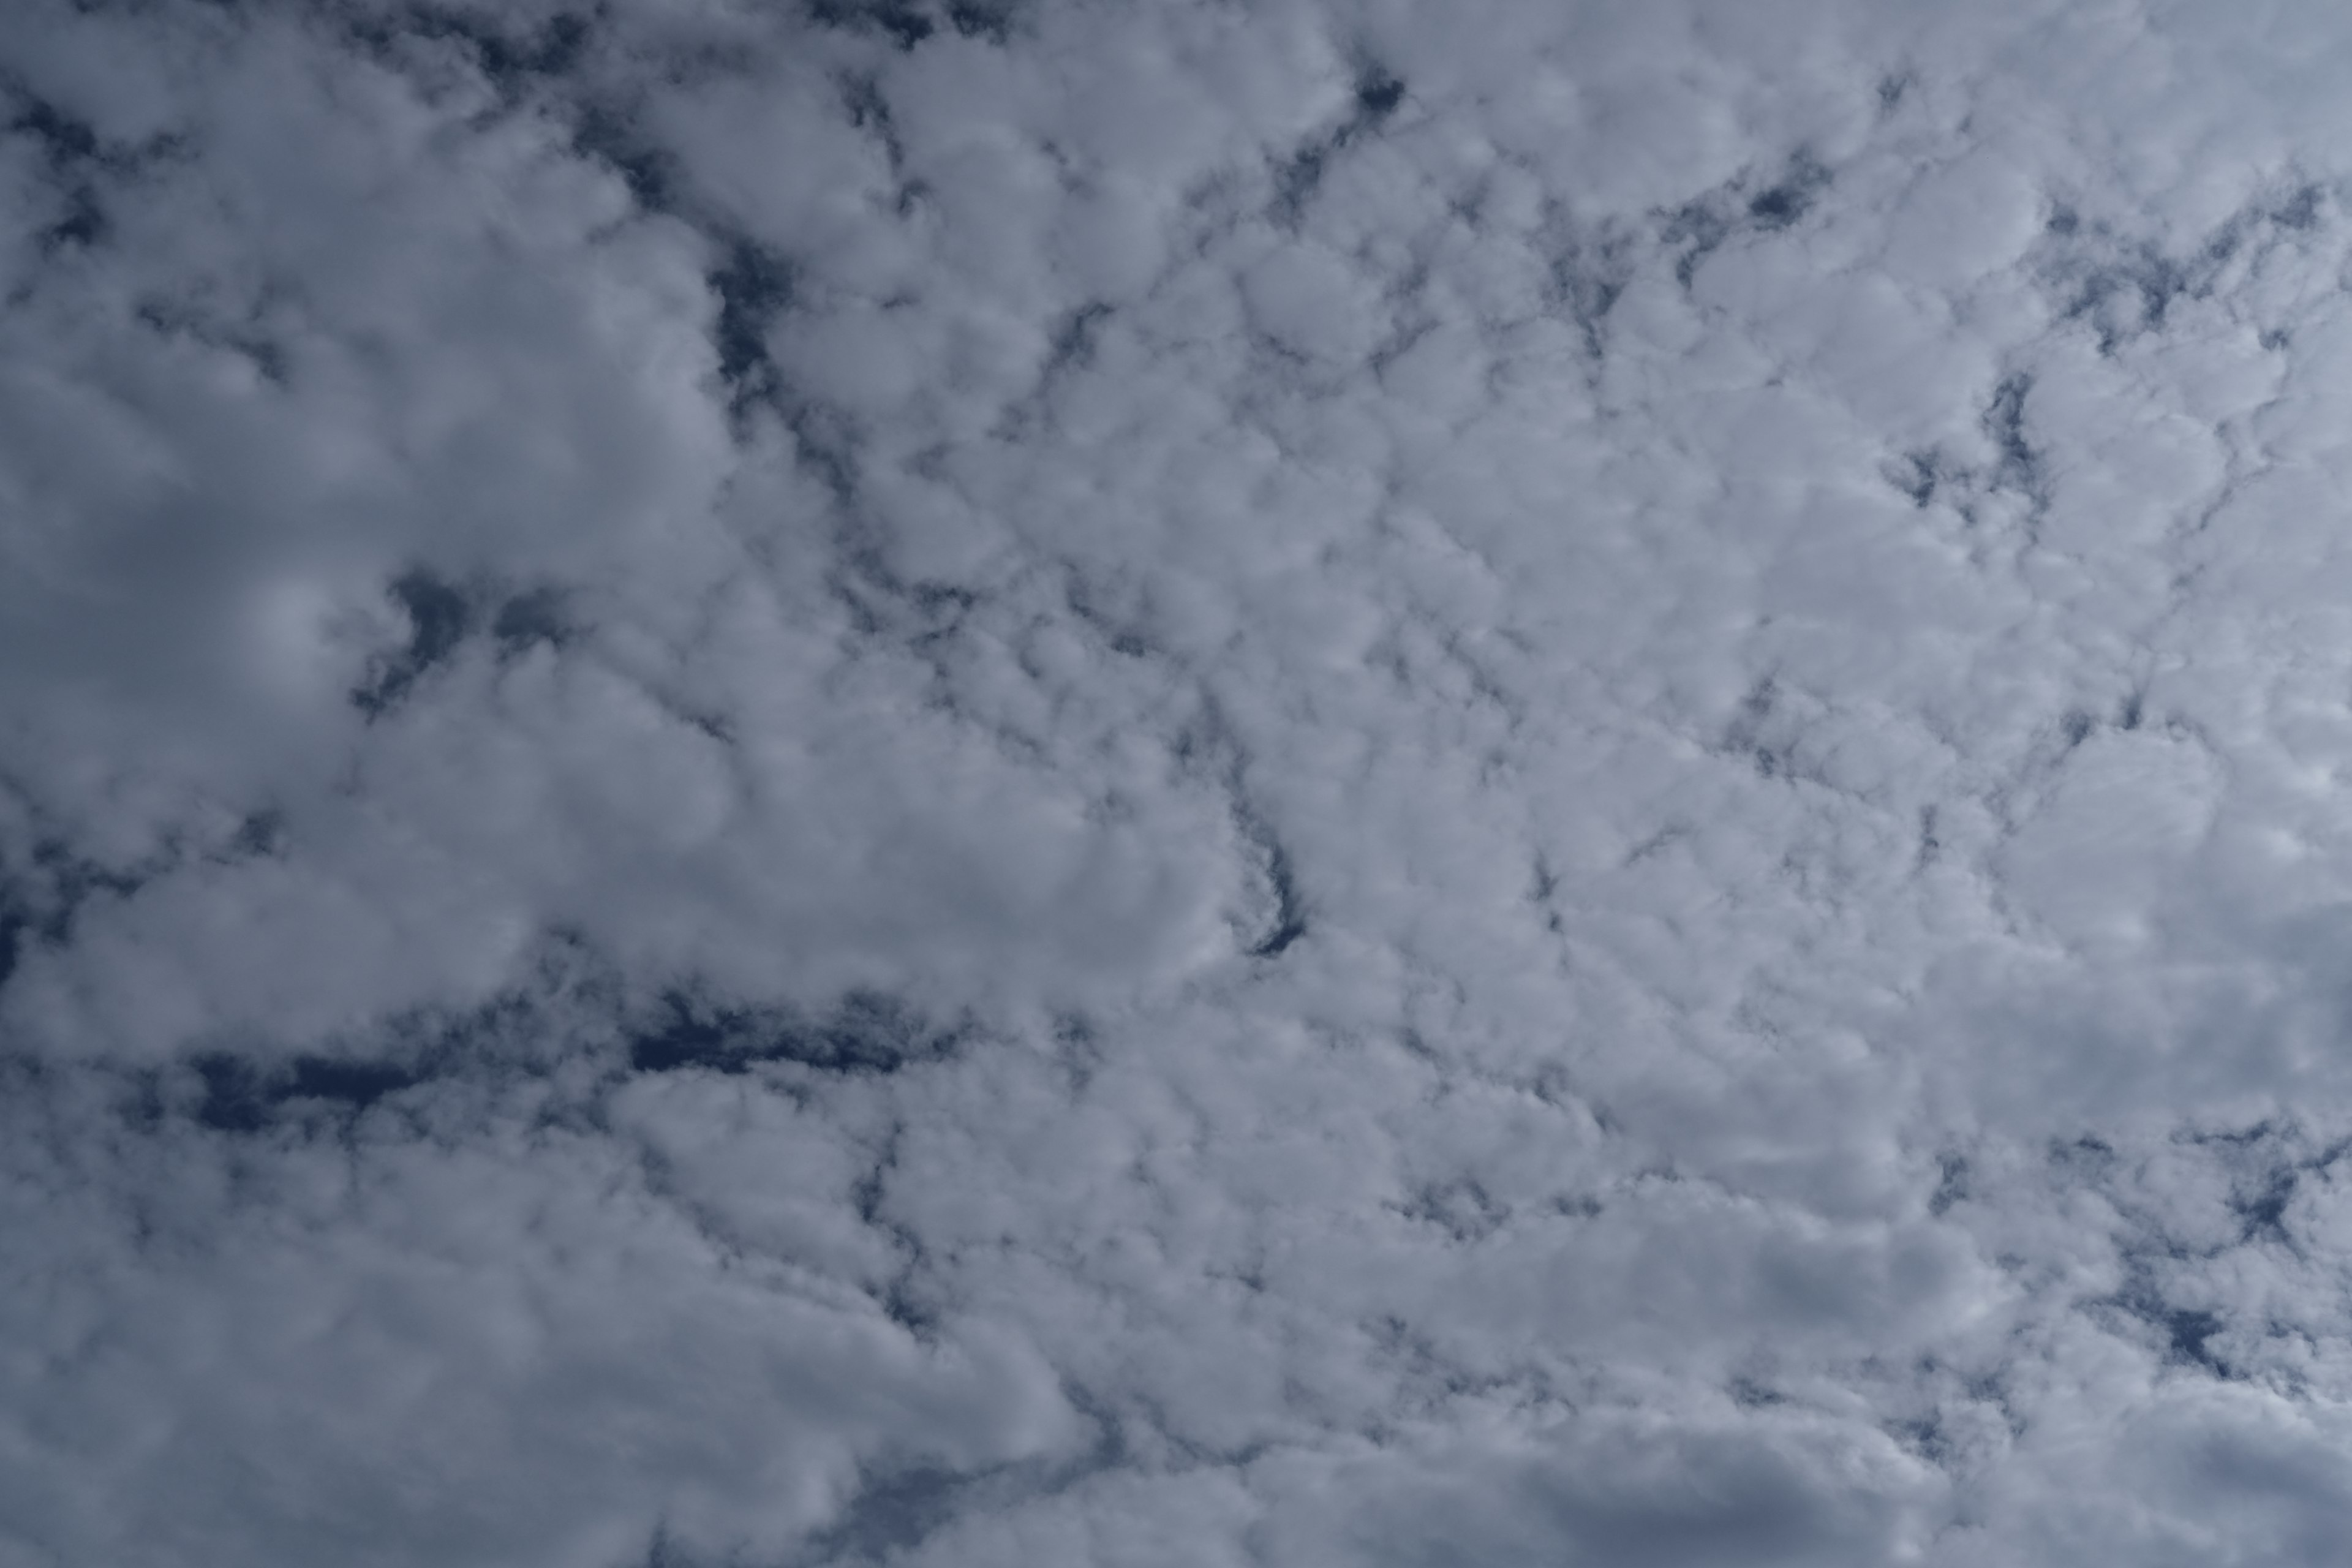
(1025, 783)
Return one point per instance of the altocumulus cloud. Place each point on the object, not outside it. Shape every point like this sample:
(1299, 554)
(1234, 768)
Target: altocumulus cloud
(1011, 782)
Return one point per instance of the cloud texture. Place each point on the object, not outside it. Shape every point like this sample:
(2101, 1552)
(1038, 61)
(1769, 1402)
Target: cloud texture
(1037, 783)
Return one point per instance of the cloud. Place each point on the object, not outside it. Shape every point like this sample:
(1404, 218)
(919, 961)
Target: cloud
(967, 783)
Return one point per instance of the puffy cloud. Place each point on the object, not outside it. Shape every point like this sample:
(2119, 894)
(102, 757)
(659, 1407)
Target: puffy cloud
(975, 783)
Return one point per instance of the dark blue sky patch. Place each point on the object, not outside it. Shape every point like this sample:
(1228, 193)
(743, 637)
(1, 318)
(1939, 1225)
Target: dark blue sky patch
(2188, 1337)
(1781, 204)
(904, 24)
(16, 927)
(2005, 422)
(1378, 93)
(753, 285)
(2300, 212)
(512, 60)
(2262, 1212)
(988, 19)
(605, 133)
(245, 1095)
(71, 151)
(1951, 1182)
(530, 618)
(41, 895)
(439, 616)
(1289, 921)
(63, 139)
(892, 1511)
(866, 1033)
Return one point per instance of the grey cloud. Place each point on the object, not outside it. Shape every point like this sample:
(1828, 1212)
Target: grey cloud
(932, 783)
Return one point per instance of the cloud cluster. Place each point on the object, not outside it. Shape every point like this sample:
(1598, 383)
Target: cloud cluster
(985, 782)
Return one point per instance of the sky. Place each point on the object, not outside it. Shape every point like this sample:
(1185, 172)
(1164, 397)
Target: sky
(997, 783)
